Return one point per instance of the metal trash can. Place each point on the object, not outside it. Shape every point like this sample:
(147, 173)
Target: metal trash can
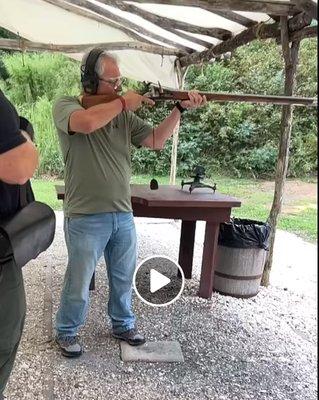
(241, 256)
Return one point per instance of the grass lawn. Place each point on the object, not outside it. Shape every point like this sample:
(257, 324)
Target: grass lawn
(299, 216)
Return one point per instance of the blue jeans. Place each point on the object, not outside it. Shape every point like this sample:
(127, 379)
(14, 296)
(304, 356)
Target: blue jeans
(87, 237)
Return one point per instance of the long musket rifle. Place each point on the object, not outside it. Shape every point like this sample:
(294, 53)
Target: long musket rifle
(159, 93)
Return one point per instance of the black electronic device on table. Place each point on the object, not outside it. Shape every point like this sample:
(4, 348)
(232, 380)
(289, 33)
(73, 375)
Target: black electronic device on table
(196, 183)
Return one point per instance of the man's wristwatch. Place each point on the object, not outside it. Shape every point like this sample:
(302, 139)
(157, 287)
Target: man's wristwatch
(179, 107)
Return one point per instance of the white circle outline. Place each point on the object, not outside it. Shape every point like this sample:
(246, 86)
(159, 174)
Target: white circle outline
(169, 302)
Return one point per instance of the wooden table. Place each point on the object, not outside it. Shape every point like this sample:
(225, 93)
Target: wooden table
(174, 203)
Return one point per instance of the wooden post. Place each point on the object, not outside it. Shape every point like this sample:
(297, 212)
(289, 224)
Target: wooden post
(181, 73)
(290, 55)
(172, 178)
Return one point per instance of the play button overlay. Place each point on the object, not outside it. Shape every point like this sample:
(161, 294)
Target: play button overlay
(157, 281)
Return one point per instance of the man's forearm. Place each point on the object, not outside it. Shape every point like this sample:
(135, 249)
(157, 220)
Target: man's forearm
(104, 113)
(18, 165)
(164, 131)
(95, 117)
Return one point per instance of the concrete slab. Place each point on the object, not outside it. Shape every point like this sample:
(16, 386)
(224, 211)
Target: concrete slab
(152, 352)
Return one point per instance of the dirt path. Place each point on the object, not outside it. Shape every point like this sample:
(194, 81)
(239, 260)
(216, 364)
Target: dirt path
(295, 190)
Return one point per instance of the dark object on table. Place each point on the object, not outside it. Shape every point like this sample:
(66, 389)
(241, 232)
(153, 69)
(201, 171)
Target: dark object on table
(153, 184)
(196, 183)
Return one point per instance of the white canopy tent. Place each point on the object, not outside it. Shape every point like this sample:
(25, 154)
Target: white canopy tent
(65, 23)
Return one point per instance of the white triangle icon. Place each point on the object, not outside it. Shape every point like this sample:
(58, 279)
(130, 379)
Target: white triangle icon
(157, 281)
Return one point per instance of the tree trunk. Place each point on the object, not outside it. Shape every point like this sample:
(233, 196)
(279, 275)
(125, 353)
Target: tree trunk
(290, 55)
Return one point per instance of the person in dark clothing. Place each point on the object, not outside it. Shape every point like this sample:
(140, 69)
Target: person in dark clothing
(18, 161)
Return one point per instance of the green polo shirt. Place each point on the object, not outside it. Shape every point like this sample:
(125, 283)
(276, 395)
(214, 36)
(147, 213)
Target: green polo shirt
(98, 165)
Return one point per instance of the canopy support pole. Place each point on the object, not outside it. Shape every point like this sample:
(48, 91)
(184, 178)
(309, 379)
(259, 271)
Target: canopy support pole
(290, 55)
(181, 73)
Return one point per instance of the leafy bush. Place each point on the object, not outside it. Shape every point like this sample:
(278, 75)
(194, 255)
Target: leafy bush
(51, 162)
(34, 82)
(33, 76)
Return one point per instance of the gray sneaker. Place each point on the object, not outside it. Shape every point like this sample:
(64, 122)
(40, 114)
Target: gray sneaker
(131, 336)
(69, 346)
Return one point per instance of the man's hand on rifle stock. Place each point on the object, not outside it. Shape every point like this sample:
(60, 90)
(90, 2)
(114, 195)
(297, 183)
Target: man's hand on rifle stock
(195, 100)
(134, 100)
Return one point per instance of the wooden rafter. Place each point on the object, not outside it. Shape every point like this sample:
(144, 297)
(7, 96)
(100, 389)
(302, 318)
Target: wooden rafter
(266, 6)
(250, 34)
(298, 29)
(23, 45)
(234, 17)
(85, 4)
(309, 6)
(168, 23)
(260, 31)
(299, 21)
(188, 37)
(26, 45)
(305, 33)
(96, 17)
(275, 17)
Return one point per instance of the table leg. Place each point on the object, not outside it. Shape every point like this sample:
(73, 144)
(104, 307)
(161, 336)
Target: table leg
(92, 283)
(186, 247)
(209, 257)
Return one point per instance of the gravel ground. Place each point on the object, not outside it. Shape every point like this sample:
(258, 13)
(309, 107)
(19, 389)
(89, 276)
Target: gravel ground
(260, 348)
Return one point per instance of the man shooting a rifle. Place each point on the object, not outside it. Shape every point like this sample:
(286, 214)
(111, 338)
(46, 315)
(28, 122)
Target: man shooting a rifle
(96, 146)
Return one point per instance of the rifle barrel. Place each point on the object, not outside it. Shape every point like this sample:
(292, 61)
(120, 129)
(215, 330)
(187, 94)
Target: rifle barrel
(248, 98)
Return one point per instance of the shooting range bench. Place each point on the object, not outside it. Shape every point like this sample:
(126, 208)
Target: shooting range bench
(174, 203)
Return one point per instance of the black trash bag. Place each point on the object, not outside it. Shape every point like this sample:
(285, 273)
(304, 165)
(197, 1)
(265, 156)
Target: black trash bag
(244, 234)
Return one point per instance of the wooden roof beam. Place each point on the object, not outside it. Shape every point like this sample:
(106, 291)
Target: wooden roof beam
(274, 17)
(260, 31)
(86, 5)
(26, 45)
(305, 33)
(248, 35)
(299, 21)
(275, 7)
(95, 17)
(162, 24)
(309, 6)
(234, 17)
(167, 23)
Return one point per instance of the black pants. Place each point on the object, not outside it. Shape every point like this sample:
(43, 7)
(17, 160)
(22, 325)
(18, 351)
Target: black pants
(12, 315)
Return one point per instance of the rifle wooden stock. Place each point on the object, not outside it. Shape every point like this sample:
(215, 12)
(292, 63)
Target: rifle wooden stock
(175, 95)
